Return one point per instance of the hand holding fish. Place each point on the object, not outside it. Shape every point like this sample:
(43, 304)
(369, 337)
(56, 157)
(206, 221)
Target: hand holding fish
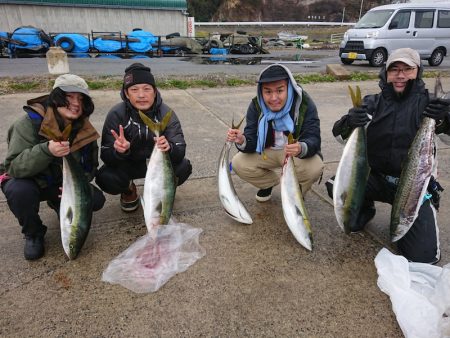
(437, 109)
(162, 143)
(121, 144)
(59, 148)
(357, 117)
(293, 149)
(235, 135)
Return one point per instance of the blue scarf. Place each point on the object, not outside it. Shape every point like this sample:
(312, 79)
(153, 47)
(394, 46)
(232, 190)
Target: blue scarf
(282, 121)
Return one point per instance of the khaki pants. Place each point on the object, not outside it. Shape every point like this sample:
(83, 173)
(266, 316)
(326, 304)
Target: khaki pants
(263, 173)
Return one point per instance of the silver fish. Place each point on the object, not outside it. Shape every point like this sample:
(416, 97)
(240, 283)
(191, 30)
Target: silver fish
(351, 175)
(294, 209)
(227, 194)
(160, 183)
(415, 175)
(75, 211)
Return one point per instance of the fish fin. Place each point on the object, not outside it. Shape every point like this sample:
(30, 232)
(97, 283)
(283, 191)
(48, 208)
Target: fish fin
(66, 132)
(153, 126)
(69, 215)
(438, 91)
(237, 126)
(50, 134)
(355, 96)
(165, 120)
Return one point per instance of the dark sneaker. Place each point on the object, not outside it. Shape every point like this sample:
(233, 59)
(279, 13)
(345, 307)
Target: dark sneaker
(264, 195)
(364, 217)
(129, 201)
(34, 247)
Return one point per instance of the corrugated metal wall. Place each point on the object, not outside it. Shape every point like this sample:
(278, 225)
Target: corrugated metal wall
(85, 19)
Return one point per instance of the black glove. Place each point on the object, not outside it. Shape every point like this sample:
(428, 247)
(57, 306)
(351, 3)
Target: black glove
(357, 117)
(437, 109)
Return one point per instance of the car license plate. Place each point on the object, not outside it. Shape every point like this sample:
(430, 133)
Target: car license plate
(352, 55)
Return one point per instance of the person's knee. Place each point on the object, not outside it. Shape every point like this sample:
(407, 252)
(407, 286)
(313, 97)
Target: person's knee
(98, 199)
(24, 191)
(111, 181)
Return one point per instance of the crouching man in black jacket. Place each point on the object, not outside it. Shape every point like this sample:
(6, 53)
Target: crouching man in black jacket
(392, 119)
(127, 143)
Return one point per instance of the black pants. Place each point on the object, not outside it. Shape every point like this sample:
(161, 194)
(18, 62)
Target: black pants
(24, 196)
(116, 180)
(421, 242)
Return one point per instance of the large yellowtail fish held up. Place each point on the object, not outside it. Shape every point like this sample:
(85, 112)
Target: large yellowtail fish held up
(227, 194)
(415, 175)
(75, 213)
(159, 186)
(351, 175)
(294, 209)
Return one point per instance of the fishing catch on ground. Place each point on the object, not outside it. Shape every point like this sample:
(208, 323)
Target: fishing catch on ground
(227, 194)
(75, 212)
(415, 175)
(294, 209)
(159, 186)
(351, 175)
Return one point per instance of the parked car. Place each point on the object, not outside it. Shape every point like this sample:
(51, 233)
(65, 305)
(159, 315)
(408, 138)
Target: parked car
(421, 26)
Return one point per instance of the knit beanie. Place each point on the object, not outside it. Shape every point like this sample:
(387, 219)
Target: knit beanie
(137, 73)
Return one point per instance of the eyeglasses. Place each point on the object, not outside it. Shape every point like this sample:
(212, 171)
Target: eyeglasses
(396, 70)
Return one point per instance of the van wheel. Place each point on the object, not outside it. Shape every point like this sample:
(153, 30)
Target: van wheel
(378, 58)
(436, 57)
(347, 61)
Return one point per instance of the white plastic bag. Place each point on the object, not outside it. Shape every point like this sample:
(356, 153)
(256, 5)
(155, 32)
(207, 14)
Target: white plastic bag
(153, 259)
(420, 295)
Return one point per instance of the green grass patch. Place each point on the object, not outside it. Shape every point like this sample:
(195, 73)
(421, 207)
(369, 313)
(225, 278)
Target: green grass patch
(314, 78)
(25, 86)
(235, 82)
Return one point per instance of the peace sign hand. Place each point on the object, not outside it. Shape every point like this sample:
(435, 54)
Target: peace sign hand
(120, 144)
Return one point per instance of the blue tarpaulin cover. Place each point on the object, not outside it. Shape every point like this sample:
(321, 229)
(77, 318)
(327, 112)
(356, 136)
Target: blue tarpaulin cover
(147, 39)
(29, 35)
(108, 45)
(80, 42)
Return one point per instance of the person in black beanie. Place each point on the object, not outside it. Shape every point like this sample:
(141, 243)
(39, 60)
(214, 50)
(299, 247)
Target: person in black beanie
(127, 143)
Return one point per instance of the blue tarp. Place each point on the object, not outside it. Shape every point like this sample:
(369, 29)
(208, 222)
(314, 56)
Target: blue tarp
(147, 39)
(80, 42)
(31, 37)
(108, 46)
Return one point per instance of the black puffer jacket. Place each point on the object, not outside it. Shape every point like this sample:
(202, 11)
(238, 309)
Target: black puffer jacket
(138, 134)
(394, 124)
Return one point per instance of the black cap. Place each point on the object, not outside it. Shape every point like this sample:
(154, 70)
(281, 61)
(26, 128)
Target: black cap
(138, 73)
(273, 73)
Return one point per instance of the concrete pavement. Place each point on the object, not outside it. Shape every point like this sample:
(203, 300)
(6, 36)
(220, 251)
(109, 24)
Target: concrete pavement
(255, 280)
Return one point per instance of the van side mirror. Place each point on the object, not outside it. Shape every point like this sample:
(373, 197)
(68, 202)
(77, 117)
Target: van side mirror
(393, 25)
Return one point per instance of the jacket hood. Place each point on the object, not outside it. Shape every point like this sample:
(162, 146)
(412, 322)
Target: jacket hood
(413, 85)
(294, 83)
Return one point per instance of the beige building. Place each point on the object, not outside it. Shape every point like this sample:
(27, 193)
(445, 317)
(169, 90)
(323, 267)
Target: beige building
(160, 17)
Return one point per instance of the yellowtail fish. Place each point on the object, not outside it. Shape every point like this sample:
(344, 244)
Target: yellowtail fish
(294, 209)
(227, 194)
(351, 175)
(159, 186)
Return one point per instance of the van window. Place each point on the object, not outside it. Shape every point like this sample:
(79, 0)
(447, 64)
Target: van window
(424, 19)
(374, 19)
(443, 19)
(400, 20)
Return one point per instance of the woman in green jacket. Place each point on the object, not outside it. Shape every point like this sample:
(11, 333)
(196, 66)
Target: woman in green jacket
(32, 169)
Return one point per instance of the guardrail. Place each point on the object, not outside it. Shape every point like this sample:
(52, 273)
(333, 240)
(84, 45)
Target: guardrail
(275, 23)
(336, 38)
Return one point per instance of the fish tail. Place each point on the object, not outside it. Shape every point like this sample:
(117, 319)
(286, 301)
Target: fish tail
(156, 127)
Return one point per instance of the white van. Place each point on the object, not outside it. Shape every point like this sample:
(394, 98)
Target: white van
(424, 27)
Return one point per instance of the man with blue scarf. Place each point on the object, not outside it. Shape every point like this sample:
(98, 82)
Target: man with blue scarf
(281, 107)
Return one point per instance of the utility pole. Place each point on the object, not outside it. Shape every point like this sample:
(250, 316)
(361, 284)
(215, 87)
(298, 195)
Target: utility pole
(360, 9)
(343, 14)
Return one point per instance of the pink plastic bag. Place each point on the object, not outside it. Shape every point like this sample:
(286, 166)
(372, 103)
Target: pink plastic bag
(153, 259)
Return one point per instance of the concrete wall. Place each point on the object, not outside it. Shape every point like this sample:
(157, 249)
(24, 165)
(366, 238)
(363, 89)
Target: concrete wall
(85, 19)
